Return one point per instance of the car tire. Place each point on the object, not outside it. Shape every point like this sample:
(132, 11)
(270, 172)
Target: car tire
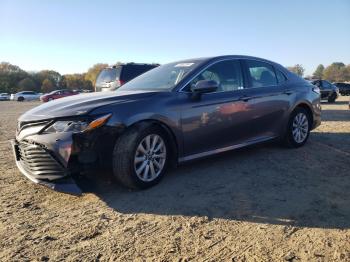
(20, 99)
(135, 164)
(298, 129)
(50, 99)
(332, 98)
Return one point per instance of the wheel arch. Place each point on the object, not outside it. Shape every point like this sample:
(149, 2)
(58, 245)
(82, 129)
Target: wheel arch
(307, 107)
(171, 137)
(302, 104)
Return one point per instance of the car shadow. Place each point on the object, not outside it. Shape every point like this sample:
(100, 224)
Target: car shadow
(337, 141)
(335, 115)
(342, 102)
(261, 184)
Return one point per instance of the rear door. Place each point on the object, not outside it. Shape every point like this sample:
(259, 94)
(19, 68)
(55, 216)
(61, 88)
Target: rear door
(326, 88)
(268, 99)
(323, 88)
(29, 95)
(57, 95)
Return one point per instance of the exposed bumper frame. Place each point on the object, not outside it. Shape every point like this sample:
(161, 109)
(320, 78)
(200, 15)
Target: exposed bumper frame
(64, 185)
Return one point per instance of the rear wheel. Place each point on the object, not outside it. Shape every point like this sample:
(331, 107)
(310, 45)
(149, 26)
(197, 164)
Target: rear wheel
(140, 156)
(298, 129)
(20, 99)
(50, 99)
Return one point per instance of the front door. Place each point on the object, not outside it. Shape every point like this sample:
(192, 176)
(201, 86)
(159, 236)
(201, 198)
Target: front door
(219, 119)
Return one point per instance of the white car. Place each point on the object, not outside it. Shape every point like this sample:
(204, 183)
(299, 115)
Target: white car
(25, 96)
(4, 96)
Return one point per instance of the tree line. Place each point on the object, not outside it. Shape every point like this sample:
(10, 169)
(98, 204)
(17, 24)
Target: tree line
(13, 79)
(335, 72)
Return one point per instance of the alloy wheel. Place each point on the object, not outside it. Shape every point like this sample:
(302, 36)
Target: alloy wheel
(150, 157)
(300, 128)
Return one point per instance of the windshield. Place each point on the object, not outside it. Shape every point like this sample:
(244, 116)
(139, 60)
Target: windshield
(108, 75)
(164, 77)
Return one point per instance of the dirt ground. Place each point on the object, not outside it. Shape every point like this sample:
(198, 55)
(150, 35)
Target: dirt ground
(265, 203)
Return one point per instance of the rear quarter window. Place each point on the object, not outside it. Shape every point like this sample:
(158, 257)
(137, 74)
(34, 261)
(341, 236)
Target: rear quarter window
(131, 71)
(260, 74)
(281, 78)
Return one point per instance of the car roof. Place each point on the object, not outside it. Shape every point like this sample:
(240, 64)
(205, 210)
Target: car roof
(132, 63)
(223, 57)
(226, 57)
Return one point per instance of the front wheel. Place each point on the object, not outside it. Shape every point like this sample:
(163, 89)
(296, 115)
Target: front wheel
(20, 99)
(298, 129)
(140, 156)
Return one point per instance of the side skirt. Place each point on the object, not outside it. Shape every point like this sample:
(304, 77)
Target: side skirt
(224, 149)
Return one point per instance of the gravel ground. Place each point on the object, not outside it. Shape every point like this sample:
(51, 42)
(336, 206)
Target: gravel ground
(264, 203)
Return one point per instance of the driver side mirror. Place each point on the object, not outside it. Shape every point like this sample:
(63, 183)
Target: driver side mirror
(205, 86)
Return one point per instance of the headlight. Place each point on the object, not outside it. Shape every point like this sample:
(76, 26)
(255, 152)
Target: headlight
(77, 126)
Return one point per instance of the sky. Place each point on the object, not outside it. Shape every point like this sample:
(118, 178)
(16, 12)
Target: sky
(69, 36)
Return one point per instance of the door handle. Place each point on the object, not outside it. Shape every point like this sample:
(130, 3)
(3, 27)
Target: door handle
(288, 92)
(245, 98)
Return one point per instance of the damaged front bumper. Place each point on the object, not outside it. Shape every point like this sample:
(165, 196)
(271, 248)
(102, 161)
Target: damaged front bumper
(53, 159)
(40, 166)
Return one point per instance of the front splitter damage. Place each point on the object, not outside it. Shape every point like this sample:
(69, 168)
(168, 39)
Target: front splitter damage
(64, 185)
(67, 186)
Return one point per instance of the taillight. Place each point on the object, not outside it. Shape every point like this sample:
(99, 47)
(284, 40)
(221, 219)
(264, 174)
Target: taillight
(121, 82)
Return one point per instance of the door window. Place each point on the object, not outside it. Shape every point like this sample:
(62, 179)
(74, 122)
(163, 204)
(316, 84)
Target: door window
(280, 77)
(227, 74)
(260, 74)
(326, 84)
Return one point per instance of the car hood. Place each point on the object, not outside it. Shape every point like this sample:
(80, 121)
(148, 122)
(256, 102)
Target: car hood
(80, 104)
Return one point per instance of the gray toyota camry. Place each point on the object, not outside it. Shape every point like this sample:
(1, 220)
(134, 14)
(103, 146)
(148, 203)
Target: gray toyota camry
(172, 114)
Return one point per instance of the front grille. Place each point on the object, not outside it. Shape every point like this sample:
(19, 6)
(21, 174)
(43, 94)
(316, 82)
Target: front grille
(39, 162)
(23, 125)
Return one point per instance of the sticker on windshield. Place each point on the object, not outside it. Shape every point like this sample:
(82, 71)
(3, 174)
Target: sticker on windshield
(184, 64)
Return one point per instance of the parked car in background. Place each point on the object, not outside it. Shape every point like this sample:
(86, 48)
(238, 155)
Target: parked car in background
(329, 91)
(344, 88)
(82, 91)
(113, 77)
(25, 96)
(174, 113)
(57, 94)
(4, 96)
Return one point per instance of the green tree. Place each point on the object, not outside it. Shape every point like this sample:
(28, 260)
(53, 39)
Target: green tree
(297, 69)
(54, 76)
(47, 86)
(336, 72)
(347, 73)
(10, 75)
(93, 72)
(27, 84)
(77, 81)
(318, 74)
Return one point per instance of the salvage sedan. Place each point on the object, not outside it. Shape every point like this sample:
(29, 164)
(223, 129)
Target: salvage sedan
(172, 114)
